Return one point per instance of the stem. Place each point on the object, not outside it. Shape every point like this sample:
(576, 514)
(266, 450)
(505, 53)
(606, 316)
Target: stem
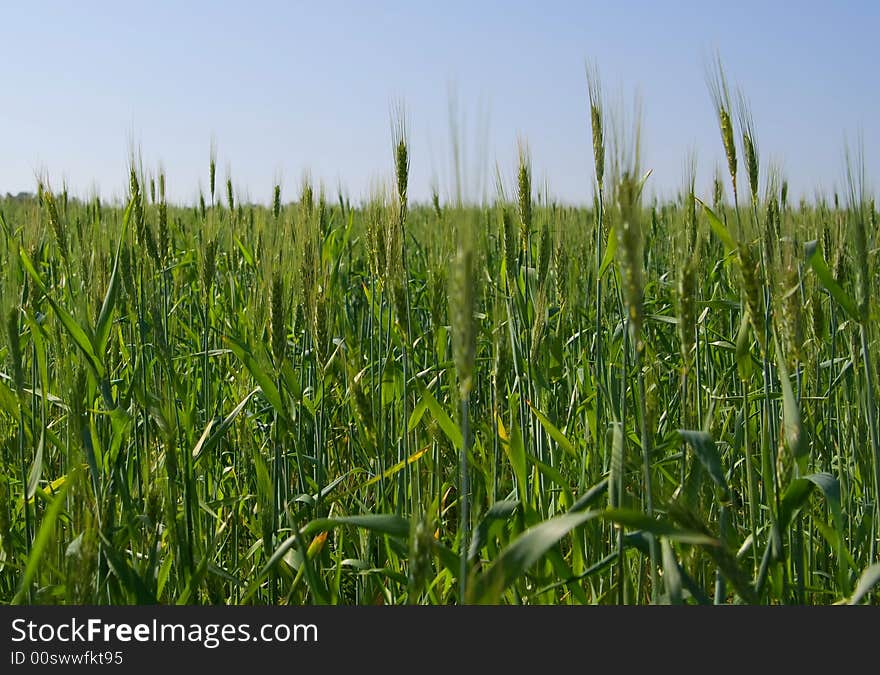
(621, 581)
(723, 517)
(598, 361)
(750, 476)
(646, 467)
(464, 499)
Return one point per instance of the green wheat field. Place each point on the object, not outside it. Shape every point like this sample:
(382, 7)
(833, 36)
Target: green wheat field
(516, 402)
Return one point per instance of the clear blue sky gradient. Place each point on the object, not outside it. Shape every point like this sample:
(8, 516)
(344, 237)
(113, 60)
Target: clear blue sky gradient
(288, 86)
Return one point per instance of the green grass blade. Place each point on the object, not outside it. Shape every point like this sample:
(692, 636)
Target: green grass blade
(498, 513)
(795, 438)
(707, 452)
(79, 336)
(671, 573)
(610, 251)
(512, 444)
(36, 469)
(554, 432)
(45, 536)
(105, 316)
(743, 347)
(817, 262)
(379, 523)
(615, 473)
(719, 228)
(213, 433)
(267, 386)
(590, 496)
(525, 551)
(798, 491)
(450, 429)
(656, 526)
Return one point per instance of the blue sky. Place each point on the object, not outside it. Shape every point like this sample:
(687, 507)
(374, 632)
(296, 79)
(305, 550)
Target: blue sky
(284, 87)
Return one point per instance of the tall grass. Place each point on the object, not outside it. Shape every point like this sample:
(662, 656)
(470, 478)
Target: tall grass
(515, 402)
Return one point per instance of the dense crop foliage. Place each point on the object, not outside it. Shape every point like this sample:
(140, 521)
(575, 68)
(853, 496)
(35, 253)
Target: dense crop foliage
(519, 402)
